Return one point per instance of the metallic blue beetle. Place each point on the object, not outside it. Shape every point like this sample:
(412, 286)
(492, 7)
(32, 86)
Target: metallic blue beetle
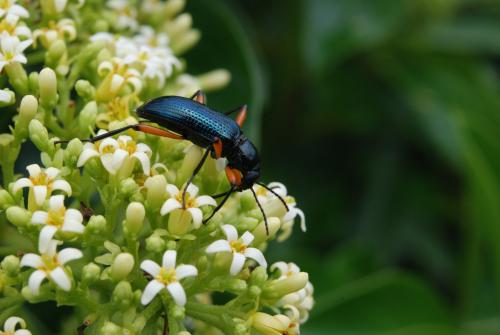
(221, 136)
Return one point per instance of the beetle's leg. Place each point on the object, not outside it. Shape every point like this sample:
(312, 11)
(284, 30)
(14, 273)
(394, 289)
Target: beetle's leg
(218, 148)
(200, 97)
(234, 176)
(138, 127)
(261, 210)
(195, 172)
(219, 206)
(242, 114)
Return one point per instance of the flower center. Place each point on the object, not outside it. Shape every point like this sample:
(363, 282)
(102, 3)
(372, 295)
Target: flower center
(7, 27)
(56, 218)
(5, 4)
(166, 276)
(237, 246)
(128, 146)
(118, 109)
(41, 179)
(190, 202)
(49, 262)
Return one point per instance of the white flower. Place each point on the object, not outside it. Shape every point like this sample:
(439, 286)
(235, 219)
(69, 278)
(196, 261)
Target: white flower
(148, 37)
(126, 14)
(12, 49)
(239, 248)
(193, 203)
(64, 29)
(7, 97)
(60, 5)
(57, 218)
(116, 153)
(117, 74)
(10, 7)
(9, 327)
(50, 264)
(9, 25)
(103, 36)
(167, 276)
(301, 300)
(278, 324)
(42, 182)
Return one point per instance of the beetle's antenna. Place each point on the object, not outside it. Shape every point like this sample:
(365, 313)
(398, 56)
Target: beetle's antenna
(276, 194)
(219, 206)
(262, 210)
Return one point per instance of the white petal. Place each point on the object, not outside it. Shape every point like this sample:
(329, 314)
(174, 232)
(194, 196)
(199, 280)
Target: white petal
(31, 260)
(278, 188)
(172, 190)
(46, 235)
(256, 255)
(60, 5)
(73, 226)
(144, 160)
(23, 45)
(73, 214)
(11, 323)
(34, 170)
(218, 246)
(192, 189)
(6, 96)
(247, 238)
(302, 219)
(107, 162)
(177, 292)
(141, 147)
(116, 83)
(185, 270)
(205, 200)
(85, 156)
(237, 263)
(19, 11)
(68, 254)
(22, 332)
(50, 247)
(150, 267)
(52, 172)
(230, 231)
(169, 257)
(170, 205)
(56, 202)
(21, 183)
(119, 157)
(40, 192)
(151, 291)
(108, 142)
(136, 84)
(281, 266)
(293, 268)
(196, 215)
(39, 217)
(105, 66)
(61, 278)
(62, 185)
(35, 281)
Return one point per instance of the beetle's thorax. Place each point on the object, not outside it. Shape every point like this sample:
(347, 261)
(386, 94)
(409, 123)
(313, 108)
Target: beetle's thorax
(245, 158)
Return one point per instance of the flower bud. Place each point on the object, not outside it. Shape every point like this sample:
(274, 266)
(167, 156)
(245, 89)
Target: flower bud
(91, 273)
(95, 227)
(128, 187)
(179, 222)
(10, 265)
(185, 41)
(87, 117)
(18, 77)
(178, 312)
(254, 291)
(47, 83)
(122, 266)
(266, 324)
(180, 24)
(236, 285)
(73, 151)
(27, 111)
(191, 160)
(157, 193)
(110, 328)
(184, 332)
(33, 82)
(122, 294)
(260, 233)
(173, 7)
(281, 287)
(259, 276)
(40, 136)
(214, 80)
(85, 89)
(7, 97)
(6, 200)
(56, 51)
(18, 216)
(155, 244)
(134, 218)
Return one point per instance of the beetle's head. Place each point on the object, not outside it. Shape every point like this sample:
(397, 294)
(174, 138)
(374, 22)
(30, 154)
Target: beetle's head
(246, 159)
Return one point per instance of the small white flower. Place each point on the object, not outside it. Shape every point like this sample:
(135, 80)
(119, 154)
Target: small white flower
(126, 14)
(57, 218)
(42, 182)
(239, 248)
(62, 30)
(103, 36)
(60, 5)
(116, 153)
(9, 327)
(167, 276)
(9, 25)
(7, 97)
(302, 301)
(193, 203)
(10, 7)
(12, 49)
(50, 264)
(279, 324)
(118, 74)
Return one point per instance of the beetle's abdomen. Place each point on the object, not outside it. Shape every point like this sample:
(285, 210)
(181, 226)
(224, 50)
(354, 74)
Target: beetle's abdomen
(195, 121)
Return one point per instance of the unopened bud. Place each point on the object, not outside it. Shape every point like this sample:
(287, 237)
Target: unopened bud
(6, 200)
(85, 89)
(155, 244)
(10, 265)
(191, 160)
(7, 97)
(87, 117)
(18, 216)
(91, 273)
(128, 187)
(236, 285)
(261, 234)
(185, 41)
(134, 219)
(122, 266)
(173, 7)
(96, 225)
(259, 276)
(40, 136)
(281, 287)
(18, 77)
(27, 111)
(33, 83)
(110, 328)
(122, 294)
(156, 194)
(47, 82)
(73, 151)
(214, 80)
(55, 53)
(266, 324)
(178, 312)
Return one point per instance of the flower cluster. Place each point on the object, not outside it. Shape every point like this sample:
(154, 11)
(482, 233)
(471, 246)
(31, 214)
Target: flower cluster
(113, 227)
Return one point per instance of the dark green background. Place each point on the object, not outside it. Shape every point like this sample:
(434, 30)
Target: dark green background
(382, 117)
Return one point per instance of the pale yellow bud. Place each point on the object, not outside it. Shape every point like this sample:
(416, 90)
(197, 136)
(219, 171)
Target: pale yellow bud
(156, 194)
(134, 217)
(47, 82)
(281, 287)
(122, 266)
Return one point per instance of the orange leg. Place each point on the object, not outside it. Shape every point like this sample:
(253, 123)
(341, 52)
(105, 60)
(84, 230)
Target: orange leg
(218, 148)
(234, 176)
(242, 116)
(159, 132)
(200, 97)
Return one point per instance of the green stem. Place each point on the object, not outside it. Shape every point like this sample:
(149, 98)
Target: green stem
(7, 173)
(152, 309)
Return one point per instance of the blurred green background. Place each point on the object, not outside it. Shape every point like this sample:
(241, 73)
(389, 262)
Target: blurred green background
(382, 117)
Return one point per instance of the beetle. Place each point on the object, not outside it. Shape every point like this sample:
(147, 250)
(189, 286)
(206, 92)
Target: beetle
(191, 119)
